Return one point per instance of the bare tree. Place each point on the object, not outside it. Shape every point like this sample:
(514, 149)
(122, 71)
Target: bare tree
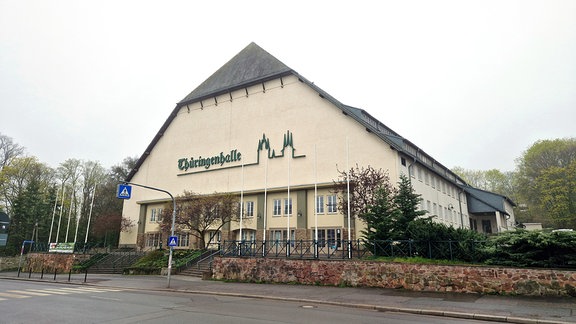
(8, 150)
(199, 214)
(364, 184)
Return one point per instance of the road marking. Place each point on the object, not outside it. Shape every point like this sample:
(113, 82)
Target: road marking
(12, 295)
(51, 291)
(32, 293)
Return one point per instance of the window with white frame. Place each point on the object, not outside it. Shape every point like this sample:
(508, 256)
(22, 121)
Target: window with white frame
(183, 239)
(214, 237)
(248, 235)
(249, 209)
(277, 207)
(320, 204)
(280, 235)
(287, 206)
(332, 204)
(153, 214)
(330, 237)
(153, 239)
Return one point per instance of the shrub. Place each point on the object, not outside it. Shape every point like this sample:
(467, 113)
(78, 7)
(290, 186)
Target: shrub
(522, 248)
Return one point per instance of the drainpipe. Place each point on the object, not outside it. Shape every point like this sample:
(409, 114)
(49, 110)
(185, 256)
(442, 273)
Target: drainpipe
(460, 205)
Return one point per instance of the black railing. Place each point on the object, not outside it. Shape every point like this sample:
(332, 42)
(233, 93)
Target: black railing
(344, 249)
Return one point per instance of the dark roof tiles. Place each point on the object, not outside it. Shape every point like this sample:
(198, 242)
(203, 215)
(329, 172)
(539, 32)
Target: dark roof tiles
(253, 64)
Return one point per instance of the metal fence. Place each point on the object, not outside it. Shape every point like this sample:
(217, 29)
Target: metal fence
(344, 249)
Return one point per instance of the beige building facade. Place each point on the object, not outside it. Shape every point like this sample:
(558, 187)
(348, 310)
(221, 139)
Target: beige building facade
(261, 131)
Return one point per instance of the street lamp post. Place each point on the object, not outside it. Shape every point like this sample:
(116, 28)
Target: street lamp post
(173, 222)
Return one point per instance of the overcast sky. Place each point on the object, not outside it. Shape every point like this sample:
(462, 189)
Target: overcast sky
(473, 83)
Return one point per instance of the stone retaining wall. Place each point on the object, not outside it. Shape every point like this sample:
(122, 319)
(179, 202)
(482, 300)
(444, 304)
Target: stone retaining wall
(417, 277)
(49, 262)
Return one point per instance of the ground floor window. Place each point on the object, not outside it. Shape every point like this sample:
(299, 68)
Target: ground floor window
(331, 237)
(248, 235)
(280, 235)
(153, 239)
(214, 237)
(183, 239)
(486, 226)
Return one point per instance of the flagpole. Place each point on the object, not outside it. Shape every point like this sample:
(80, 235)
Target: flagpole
(70, 214)
(265, 206)
(315, 202)
(61, 210)
(288, 213)
(53, 215)
(90, 216)
(241, 204)
(348, 193)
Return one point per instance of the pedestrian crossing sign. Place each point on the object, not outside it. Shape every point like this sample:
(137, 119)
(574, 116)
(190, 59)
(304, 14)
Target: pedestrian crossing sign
(124, 191)
(173, 241)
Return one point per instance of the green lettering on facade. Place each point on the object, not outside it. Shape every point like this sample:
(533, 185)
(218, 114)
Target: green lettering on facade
(190, 163)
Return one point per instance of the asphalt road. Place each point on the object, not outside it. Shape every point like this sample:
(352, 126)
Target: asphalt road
(43, 302)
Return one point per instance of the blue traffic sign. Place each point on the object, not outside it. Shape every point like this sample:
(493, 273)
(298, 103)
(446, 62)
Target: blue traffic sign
(173, 241)
(124, 191)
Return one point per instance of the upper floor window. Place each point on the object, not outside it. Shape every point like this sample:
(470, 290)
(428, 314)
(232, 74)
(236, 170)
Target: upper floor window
(249, 209)
(320, 204)
(332, 204)
(156, 215)
(277, 207)
(287, 206)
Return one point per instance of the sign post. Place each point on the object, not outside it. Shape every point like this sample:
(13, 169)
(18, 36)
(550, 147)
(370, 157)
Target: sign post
(125, 192)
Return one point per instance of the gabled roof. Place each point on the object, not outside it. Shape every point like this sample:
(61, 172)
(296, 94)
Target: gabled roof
(254, 65)
(481, 201)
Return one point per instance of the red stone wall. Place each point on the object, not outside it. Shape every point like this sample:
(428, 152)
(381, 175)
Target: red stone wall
(51, 261)
(439, 278)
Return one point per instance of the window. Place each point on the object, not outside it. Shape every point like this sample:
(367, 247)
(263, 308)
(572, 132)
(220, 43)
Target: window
(183, 239)
(330, 237)
(280, 235)
(320, 204)
(486, 226)
(214, 237)
(287, 206)
(156, 215)
(429, 204)
(248, 235)
(332, 204)
(403, 161)
(420, 174)
(249, 209)
(153, 239)
(427, 177)
(277, 207)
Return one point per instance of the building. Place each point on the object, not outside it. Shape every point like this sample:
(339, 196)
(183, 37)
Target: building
(260, 130)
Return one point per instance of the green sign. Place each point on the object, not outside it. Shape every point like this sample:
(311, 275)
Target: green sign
(190, 163)
(61, 247)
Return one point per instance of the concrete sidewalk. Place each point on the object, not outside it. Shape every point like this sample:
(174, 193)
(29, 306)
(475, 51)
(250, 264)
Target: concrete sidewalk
(509, 309)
